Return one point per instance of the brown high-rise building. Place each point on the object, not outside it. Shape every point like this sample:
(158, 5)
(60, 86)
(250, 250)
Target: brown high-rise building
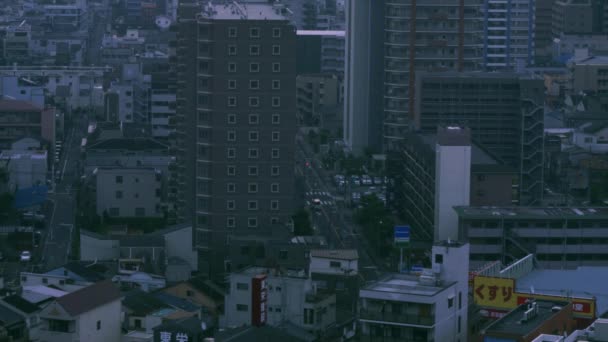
(237, 111)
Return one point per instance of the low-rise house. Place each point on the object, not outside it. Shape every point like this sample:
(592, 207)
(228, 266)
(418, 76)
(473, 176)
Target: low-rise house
(91, 314)
(12, 326)
(200, 291)
(29, 311)
(140, 280)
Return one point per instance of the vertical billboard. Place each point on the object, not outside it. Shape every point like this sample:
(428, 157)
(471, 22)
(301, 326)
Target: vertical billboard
(259, 295)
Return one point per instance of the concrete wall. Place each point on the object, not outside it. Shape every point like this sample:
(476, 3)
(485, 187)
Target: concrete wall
(492, 189)
(322, 265)
(178, 244)
(138, 188)
(109, 317)
(92, 248)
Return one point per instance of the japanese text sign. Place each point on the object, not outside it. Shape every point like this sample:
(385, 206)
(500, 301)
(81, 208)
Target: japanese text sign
(494, 292)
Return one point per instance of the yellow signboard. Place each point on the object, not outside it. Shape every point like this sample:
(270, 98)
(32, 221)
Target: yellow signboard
(494, 292)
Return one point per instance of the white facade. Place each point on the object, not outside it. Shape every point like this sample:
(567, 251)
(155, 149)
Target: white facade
(452, 188)
(83, 327)
(357, 75)
(123, 192)
(26, 168)
(430, 307)
(592, 142)
(12, 89)
(335, 265)
(288, 297)
(98, 248)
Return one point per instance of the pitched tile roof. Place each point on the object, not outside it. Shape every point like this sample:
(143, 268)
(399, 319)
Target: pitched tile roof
(142, 303)
(19, 303)
(89, 298)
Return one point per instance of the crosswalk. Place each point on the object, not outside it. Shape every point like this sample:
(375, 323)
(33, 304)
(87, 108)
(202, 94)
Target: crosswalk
(325, 198)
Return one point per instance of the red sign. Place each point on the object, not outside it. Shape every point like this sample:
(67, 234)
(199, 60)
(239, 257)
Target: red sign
(259, 295)
(581, 307)
(491, 313)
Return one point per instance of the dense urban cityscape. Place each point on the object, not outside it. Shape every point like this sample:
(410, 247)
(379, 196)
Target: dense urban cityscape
(303, 170)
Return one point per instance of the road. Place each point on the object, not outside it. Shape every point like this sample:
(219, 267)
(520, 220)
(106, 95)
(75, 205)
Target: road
(335, 222)
(58, 238)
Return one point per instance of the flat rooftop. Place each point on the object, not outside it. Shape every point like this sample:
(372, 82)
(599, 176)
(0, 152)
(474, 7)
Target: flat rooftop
(580, 213)
(568, 282)
(404, 284)
(478, 156)
(248, 10)
(593, 60)
(512, 323)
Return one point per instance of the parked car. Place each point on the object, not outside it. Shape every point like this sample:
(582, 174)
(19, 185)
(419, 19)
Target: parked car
(25, 256)
(378, 180)
(366, 180)
(354, 179)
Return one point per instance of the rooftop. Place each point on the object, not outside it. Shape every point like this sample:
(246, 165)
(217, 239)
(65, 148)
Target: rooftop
(513, 213)
(567, 282)
(593, 60)
(513, 324)
(130, 144)
(17, 106)
(248, 10)
(404, 284)
(142, 303)
(8, 316)
(478, 155)
(21, 304)
(271, 272)
(342, 254)
(89, 298)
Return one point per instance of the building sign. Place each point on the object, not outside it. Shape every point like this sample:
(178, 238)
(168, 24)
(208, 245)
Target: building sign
(494, 292)
(402, 236)
(259, 296)
(581, 307)
(166, 336)
(493, 314)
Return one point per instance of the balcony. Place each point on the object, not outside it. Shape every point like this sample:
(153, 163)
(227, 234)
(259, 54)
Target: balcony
(377, 315)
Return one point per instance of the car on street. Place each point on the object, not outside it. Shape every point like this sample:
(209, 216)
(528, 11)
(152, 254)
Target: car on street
(25, 256)
(366, 180)
(354, 179)
(378, 180)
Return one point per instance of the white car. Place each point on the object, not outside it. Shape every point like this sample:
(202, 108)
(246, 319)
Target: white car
(25, 256)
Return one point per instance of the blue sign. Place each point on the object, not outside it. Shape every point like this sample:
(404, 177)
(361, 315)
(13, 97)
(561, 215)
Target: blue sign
(402, 235)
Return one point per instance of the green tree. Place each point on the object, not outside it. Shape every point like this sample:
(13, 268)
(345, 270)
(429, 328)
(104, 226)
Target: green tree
(301, 222)
(377, 224)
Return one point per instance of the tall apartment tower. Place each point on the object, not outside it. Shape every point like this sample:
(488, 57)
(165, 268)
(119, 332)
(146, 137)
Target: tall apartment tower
(452, 179)
(543, 36)
(245, 124)
(363, 75)
(425, 35)
(508, 34)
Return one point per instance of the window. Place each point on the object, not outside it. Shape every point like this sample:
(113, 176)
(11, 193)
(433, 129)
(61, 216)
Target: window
(137, 323)
(242, 307)
(252, 188)
(230, 152)
(275, 153)
(232, 50)
(274, 220)
(231, 84)
(254, 50)
(118, 179)
(276, 119)
(118, 194)
(335, 264)
(274, 170)
(98, 325)
(231, 136)
(231, 67)
(276, 101)
(59, 325)
(252, 222)
(189, 293)
(450, 302)
(254, 67)
(276, 32)
(254, 119)
(282, 256)
(231, 187)
(274, 188)
(231, 101)
(254, 101)
(459, 300)
(309, 316)
(253, 136)
(252, 171)
(242, 286)
(254, 32)
(45, 281)
(230, 222)
(274, 205)
(276, 136)
(231, 170)
(276, 67)
(230, 205)
(252, 205)
(276, 84)
(459, 324)
(253, 153)
(439, 258)
(231, 119)
(114, 211)
(276, 50)
(254, 84)
(232, 32)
